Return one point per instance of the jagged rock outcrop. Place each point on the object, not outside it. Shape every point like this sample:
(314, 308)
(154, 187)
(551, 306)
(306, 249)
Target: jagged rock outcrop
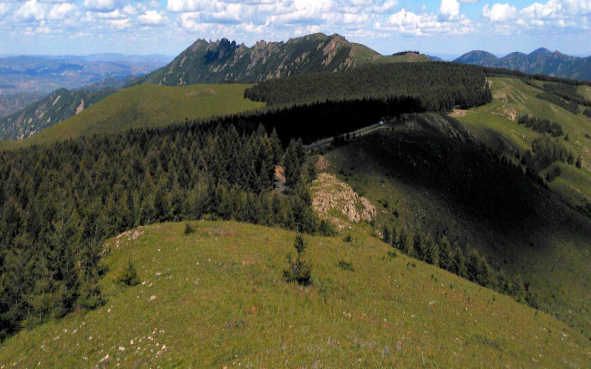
(226, 61)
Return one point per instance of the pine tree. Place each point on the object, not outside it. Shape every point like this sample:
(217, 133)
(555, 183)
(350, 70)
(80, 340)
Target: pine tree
(431, 252)
(403, 244)
(394, 237)
(386, 235)
(418, 246)
(298, 270)
(446, 257)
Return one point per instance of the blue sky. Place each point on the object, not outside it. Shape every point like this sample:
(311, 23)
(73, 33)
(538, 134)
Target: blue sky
(439, 27)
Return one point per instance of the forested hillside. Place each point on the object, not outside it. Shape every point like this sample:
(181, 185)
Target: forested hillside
(439, 86)
(58, 204)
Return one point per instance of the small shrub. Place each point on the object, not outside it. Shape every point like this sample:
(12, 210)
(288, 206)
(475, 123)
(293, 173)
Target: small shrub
(392, 254)
(326, 229)
(129, 276)
(348, 238)
(189, 229)
(298, 271)
(346, 265)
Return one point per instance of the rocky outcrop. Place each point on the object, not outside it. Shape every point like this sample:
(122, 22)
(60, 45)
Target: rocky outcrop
(225, 61)
(331, 197)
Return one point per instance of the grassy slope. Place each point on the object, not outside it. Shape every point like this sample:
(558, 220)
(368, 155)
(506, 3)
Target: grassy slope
(553, 257)
(364, 55)
(513, 98)
(147, 106)
(406, 58)
(220, 301)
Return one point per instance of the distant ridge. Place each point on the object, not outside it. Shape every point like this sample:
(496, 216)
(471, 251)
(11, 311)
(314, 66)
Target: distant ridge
(227, 61)
(540, 61)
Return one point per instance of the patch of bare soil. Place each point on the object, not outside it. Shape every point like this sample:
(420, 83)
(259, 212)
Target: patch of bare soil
(457, 113)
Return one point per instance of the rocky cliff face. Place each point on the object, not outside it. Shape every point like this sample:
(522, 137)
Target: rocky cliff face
(226, 61)
(541, 61)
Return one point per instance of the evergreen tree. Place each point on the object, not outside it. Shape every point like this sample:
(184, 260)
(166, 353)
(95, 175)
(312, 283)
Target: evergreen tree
(386, 235)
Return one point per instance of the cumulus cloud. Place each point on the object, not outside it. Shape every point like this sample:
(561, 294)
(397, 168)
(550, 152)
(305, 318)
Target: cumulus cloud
(30, 11)
(408, 23)
(182, 6)
(499, 12)
(153, 18)
(449, 9)
(554, 13)
(61, 11)
(5, 9)
(101, 5)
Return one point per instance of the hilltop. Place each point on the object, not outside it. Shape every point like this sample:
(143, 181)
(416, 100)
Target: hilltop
(227, 61)
(541, 61)
(217, 298)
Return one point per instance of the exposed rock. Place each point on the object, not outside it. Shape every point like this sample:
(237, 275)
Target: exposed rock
(329, 193)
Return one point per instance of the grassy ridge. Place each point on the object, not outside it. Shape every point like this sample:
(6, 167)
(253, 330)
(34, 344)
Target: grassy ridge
(147, 106)
(496, 122)
(219, 300)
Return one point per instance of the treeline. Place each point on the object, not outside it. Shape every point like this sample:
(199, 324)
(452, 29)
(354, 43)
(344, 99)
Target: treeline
(540, 77)
(567, 92)
(406, 52)
(541, 125)
(438, 86)
(571, 106)
(547, 151)
(59, 203)
(470, 265)
(315, 121)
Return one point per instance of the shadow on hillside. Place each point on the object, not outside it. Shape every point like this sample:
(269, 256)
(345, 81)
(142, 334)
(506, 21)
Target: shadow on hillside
(438, 154)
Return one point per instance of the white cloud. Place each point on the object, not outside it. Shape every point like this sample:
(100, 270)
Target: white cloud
(153, 18)
(557, 14)
(115, 14)
(408, 23)
(499, 12)
(182, 6)
(30, 11)
(60, 11)
(120, 23)
(386, 7)
(101, 5)
(449, 9)
(5, 9)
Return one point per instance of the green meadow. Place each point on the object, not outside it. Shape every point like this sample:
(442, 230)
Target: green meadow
(217, 298)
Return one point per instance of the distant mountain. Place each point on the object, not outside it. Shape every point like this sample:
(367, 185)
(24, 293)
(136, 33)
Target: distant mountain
(227, 61)
(45, 74)
(56, 107)
(541, 61)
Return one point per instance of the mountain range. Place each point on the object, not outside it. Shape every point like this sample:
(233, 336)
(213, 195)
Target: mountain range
(541, 61)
